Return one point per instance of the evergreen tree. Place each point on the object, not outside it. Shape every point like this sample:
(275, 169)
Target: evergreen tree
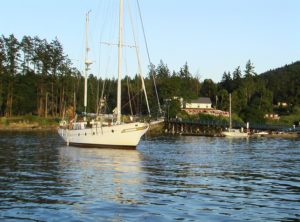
(2, 73)
(184, 72)
(248, 84)
(27, 49)
(162, 71)
(223, 100)
(208, 89)
(237, 74)
(11, 45)
(236, 78)
(226, 81)
(249, 70)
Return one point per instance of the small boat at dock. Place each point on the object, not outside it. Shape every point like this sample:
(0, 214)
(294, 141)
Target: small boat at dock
(237, 133)
(230, 132)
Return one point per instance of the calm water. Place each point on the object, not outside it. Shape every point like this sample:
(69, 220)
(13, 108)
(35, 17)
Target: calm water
(165, 179)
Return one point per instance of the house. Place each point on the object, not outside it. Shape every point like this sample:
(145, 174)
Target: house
(282, 104)
(200, 103)
(272, 116)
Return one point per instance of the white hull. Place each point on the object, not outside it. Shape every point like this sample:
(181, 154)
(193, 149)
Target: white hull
(235, 134)
(125, 136)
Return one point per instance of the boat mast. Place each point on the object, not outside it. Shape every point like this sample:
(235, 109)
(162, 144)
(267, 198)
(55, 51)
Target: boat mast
(86, 61)
(230, 119)
(120, 62)
(139, 64)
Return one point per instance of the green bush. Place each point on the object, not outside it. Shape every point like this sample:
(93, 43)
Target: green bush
(4, 121)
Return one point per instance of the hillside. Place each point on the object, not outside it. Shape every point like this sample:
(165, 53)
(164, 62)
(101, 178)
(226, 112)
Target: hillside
(284, 82)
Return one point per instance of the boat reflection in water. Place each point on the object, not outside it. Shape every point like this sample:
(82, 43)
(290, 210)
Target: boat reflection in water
(103, 174)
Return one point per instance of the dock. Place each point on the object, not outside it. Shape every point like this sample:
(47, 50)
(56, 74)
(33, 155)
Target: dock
(214, 128)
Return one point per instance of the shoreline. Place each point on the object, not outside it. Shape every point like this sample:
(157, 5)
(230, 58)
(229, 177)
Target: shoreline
(153, 131)
(28, 123)
(28, 128)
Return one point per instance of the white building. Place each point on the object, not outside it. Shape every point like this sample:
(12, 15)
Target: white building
(200, 103)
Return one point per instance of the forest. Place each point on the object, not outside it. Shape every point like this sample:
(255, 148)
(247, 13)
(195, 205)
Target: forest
(37, 78)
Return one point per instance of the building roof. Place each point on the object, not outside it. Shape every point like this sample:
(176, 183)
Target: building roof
(201, 100)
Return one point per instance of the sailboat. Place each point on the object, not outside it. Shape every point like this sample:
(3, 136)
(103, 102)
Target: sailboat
(102, 133)
(230, 132)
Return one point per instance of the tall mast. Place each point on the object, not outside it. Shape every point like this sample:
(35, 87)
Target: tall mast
(120, 62)
(230, 119)
(139, 63)
(86, 61)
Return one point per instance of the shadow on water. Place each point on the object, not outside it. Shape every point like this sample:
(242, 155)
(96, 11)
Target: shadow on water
(165, 179)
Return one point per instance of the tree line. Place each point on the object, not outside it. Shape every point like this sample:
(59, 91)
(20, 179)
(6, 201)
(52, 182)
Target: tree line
(251, 98)
(255, 95)
(38, 78)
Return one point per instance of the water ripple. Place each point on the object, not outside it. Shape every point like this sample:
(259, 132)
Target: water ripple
(166, 179)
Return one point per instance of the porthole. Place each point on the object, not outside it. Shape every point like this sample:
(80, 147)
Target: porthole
(112, 131)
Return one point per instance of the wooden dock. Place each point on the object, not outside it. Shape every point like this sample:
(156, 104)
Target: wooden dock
(214, 128)
(194, 128)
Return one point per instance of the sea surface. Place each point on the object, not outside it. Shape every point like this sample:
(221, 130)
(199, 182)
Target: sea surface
(165, 179)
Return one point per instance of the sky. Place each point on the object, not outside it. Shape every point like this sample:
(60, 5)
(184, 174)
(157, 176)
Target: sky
(212, 36)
